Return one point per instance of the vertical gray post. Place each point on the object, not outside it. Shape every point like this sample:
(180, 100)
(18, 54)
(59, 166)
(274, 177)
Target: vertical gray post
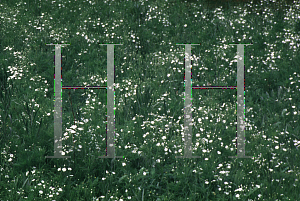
(188, 105)
(58, 105)
(240, 103)
(110, 103)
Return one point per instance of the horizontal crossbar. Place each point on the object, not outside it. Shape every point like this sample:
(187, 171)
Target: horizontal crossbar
(83, 87)
(219, 87)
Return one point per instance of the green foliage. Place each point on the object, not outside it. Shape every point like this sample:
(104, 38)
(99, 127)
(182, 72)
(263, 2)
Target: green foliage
(149, 101)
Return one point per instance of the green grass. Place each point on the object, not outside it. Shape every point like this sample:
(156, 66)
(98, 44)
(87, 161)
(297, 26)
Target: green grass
(149, 96)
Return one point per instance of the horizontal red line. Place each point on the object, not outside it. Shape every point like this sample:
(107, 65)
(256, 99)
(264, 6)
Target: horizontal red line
(221, 87)
(83, 87)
